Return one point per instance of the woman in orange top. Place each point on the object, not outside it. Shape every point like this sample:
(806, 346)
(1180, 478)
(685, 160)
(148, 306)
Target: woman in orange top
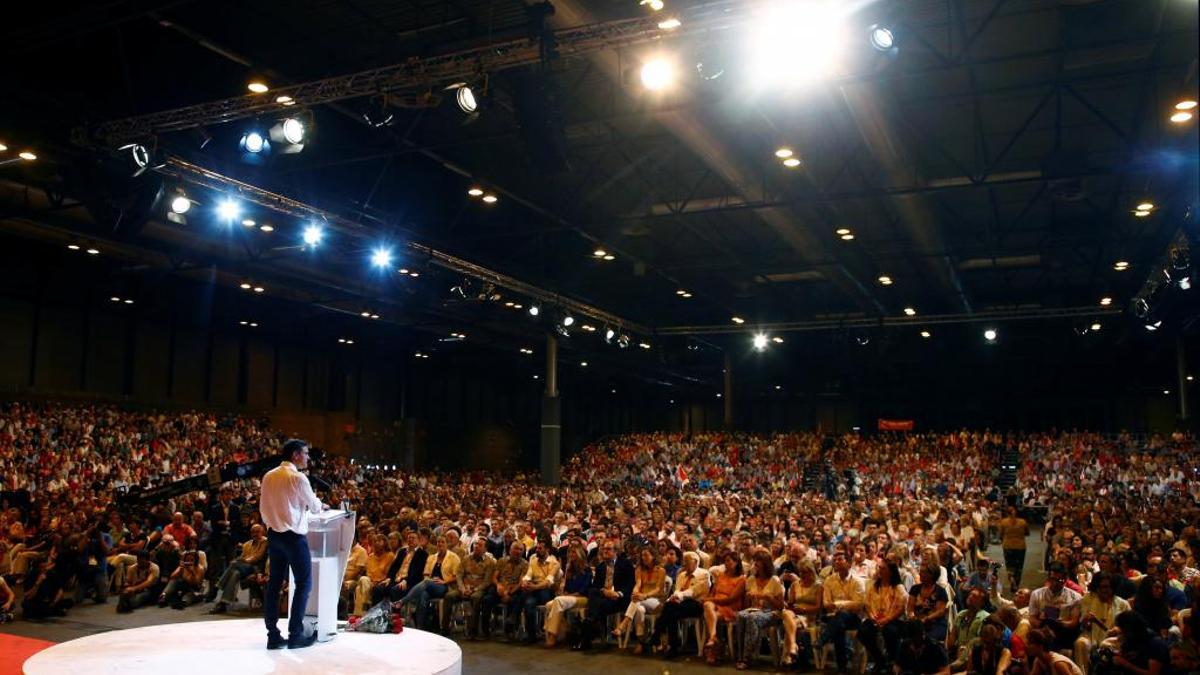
(727, 597)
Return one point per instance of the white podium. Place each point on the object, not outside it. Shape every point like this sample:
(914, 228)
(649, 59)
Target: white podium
(330, 537)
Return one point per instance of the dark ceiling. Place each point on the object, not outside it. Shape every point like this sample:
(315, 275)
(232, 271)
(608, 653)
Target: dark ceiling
(992, 163)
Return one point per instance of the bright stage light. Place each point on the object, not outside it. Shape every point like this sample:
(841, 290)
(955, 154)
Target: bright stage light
(882, 38)
(253, 142)
(258, 87)
(926, 334)
(313, 235)
(181, 204)
(1144, 206)
(475, 191)
(989, 335)
(3, 147)
(568, 321)
(609, 334)
(795, 43)
(760, 341)
(1095, 327)
(1181, 117)
(293, 130)
(534, 310)
(1186, 104)
(784, 153)
(27, 156)
(657, 74)
(381, 257)
(738, 320)
(1105, 301)
(669, 24)
(490, 198)
(465, 98)
(791, 162)
(909, 311)
(228, 210)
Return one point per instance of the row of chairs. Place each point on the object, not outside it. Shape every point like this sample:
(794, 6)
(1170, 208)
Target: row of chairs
(690, 626)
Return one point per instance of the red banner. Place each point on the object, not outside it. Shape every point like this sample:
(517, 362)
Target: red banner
(895, 425)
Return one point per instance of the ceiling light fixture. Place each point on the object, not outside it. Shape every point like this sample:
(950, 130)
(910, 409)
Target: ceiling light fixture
(27, 155)
(909, 311)
(791, 162)
(599, 253)
(265, 227)
(258, 87)
(490, 199)
(926, 334)
(847, 237)
(885, 280)
(475, 191)
(738, 320)
(657, 74)
(990, 335)
(381, 257)
(180, 204)
(93, 251)
(1185, 104)
(1105, 301)
(784, 153)
(1181, 117)
(760, 341)
(777, 340)
(669, 24)
(313, 235)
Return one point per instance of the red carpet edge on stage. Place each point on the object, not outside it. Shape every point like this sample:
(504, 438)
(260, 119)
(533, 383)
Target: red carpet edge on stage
(15, 649)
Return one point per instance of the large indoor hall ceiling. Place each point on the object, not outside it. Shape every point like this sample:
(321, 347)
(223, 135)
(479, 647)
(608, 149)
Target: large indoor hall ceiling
(992, 160)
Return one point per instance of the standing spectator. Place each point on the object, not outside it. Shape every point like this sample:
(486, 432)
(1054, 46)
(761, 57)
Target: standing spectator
(1013, 531)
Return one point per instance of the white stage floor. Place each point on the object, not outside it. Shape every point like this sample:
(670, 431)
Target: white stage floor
(229, 647)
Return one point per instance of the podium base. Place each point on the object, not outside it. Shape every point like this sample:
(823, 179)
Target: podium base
(240, 646)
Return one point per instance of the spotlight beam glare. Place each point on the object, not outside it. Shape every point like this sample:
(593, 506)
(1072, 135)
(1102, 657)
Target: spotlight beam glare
(795, 43)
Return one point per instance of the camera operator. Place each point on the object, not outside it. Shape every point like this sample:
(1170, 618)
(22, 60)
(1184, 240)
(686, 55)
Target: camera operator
(93, 564)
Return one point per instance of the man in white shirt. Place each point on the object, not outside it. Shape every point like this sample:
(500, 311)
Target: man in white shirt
(286, 500)
(1056, 607)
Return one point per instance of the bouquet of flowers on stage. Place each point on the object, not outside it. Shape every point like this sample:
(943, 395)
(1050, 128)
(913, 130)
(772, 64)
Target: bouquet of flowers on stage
(378, 619)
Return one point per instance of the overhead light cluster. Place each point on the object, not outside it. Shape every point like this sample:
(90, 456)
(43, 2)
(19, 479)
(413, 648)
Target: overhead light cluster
(844, 233)
(787, 157)
(420, 355)
(24, 155)
(526, 351)
(485, 196)
(345, 341)
(1121, 265)
(1183, 111)
(738, 320)
(910, 311)
(90, 250)
(250, 324)
(248, 286)
(1106, 301)
(367, 314)
(116, 299)
(601, 254)
(683, 293)
(885, 280)
(1143, 209)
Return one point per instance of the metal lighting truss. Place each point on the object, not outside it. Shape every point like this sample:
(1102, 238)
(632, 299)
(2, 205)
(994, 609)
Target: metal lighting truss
(1014, 314)
(198, 175)
(412, 74)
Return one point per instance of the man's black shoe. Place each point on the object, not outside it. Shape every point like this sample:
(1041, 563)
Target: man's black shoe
(302, 642)
(276, 642)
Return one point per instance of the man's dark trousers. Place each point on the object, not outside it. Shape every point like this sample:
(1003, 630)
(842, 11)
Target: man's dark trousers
(287, 550)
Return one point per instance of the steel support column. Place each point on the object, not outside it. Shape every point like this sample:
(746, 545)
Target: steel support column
(728, 395)
(551, 459)
(1181, 377)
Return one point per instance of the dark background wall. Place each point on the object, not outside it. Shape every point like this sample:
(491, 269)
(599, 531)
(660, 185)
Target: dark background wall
(180, 345)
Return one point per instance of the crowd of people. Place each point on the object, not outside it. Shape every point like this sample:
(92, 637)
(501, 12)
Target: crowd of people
(651, 538)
